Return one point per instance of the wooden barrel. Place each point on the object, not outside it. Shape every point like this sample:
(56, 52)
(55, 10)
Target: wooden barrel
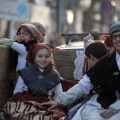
(4, 74)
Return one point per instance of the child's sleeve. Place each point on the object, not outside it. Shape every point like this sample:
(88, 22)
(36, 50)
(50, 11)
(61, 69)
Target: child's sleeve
(20, 86)
(58, 90)
(73, 94)
(6, 42)
(19, 48)
(116, 105)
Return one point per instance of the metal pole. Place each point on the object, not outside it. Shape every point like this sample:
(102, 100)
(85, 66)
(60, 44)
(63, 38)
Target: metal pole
(79, 34)
(60, 15)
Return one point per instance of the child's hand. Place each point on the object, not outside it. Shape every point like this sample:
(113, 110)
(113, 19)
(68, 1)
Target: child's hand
(19, 39)
(88, 40)
(53, 104)
(88, 37)
(107, 113)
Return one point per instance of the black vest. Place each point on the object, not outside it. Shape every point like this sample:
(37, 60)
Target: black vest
(39, 83)
(105, 77)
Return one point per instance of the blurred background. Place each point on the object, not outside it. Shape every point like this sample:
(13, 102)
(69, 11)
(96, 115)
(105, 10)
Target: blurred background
(59, 16)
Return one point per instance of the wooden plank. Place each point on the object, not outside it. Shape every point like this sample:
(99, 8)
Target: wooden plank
(4, 70)
(5, 55)
(64, 60)
(4, 95)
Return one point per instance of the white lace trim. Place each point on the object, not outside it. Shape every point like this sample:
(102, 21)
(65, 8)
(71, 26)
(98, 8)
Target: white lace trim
(79, 61)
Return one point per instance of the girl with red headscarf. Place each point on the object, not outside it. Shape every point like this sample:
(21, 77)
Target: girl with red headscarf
(37, 83)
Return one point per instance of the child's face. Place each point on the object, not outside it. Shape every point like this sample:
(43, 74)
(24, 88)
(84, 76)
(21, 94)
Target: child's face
(91, 61)
(42, 58)
(23, 35)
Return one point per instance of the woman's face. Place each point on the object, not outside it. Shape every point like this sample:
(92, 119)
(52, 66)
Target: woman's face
(42, 58)
(23, 35)
(116, 41)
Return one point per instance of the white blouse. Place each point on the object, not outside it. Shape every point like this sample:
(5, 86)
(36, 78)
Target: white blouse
(22, 53)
